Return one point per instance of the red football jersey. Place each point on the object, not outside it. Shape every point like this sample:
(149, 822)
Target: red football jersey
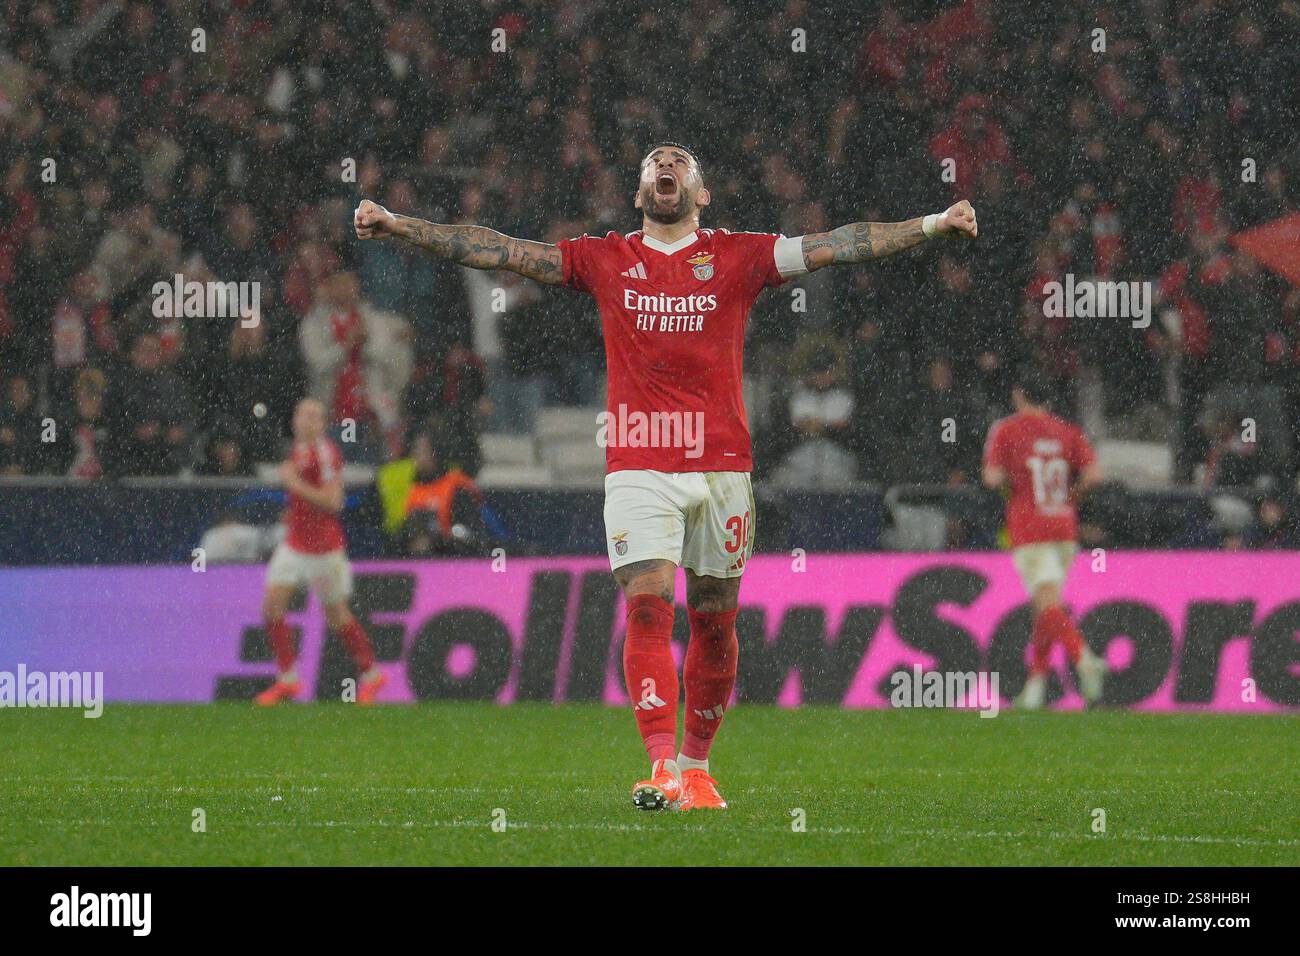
(1041, 454)
(674, 319)
(314, 530)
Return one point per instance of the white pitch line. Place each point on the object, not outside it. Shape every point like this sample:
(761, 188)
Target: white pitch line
(878, 836)
(217, 789)
(1057, 835)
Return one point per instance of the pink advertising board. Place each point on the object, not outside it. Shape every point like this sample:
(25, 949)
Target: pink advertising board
(1181, 630)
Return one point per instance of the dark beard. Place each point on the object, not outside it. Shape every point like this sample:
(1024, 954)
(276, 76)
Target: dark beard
(679, 211)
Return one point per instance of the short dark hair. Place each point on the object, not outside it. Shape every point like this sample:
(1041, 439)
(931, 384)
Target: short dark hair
(685, 149)
(1035, 384)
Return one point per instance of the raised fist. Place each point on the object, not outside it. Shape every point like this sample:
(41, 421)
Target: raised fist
(958, 220)
(373, 221)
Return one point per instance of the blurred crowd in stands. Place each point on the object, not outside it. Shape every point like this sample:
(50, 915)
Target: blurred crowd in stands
(129, 156)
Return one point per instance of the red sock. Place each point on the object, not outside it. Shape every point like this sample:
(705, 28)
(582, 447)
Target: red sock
(358, 645)
(1061, 627)
(651, 673)
(1040, 643)
(709, 675)
(280, 634)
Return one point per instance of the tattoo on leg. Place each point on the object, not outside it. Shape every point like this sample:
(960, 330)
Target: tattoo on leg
(659, 575)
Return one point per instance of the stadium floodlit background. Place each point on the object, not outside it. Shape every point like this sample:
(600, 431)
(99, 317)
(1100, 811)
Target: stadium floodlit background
(1147, 142)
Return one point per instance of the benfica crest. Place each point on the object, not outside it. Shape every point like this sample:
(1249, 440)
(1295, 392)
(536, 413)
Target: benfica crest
(620, 543)
(703, 266)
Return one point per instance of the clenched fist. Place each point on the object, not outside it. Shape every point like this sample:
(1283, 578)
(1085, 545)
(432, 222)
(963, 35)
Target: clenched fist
(373, 221)
(957, 220)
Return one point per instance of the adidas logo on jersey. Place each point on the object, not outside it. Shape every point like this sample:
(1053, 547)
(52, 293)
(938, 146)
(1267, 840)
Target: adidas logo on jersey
(636, 272)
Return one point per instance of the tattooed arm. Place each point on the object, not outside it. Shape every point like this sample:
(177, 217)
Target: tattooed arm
(862, 241)
(473, 246)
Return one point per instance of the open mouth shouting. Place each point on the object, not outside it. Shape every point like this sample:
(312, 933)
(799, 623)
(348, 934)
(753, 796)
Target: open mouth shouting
(666, 186)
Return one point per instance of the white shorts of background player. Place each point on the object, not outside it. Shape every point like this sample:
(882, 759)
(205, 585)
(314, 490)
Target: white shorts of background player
(328, 574)
(1046, 562)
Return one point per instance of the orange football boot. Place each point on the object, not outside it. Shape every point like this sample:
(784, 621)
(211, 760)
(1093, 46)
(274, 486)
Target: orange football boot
(662, 791)
(277, 692)
(700, 791)
(367, 689)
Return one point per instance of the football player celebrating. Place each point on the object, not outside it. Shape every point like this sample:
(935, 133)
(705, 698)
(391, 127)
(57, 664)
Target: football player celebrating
(674, 301)
(1047, 464)
(312, 555)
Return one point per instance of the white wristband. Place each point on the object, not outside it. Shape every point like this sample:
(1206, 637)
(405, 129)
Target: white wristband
(930, 224)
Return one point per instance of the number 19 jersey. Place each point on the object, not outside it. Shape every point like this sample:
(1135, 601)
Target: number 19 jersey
(1041, 454)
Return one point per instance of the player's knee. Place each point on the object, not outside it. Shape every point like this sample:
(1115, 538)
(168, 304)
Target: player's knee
(1046, 595)
(337, 616)
(712, 602)
(712, 595)
(647, 577)
(650, 584)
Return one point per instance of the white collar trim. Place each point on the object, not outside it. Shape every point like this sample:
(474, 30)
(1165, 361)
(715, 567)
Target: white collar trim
(658, 245)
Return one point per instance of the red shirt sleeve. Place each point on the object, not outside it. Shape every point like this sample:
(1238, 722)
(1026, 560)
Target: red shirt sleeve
(763, 254)
(578, 260)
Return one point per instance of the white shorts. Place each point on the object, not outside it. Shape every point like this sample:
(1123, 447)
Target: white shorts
(701, 520)
(328, 574)
(1047, 562)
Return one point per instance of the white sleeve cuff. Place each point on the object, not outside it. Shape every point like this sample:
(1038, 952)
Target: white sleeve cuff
(788, 254)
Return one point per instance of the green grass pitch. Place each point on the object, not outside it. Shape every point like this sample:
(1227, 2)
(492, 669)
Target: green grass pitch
(333, 784)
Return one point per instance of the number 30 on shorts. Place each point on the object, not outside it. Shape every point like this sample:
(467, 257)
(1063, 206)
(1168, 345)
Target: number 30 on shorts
(739, 528)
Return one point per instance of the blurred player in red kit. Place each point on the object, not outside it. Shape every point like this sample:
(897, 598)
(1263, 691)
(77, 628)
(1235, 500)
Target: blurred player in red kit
(1047, 464)
(674, 301)
(312, 555)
